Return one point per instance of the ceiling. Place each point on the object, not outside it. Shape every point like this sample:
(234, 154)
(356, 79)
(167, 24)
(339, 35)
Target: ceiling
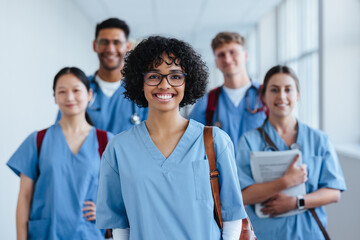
(195, 21)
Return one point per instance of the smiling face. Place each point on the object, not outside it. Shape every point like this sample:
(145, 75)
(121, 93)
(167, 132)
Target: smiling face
(111, 46)
(230, 58)
(164, 97)
(71, 95)
(281, 95)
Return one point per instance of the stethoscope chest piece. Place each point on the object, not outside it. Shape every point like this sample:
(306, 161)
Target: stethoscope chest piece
(295, 146)
(135, 119)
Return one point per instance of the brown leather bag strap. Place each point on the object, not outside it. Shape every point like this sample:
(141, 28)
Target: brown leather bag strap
(323, 230)
(214, 174)
(312, 210)
(247, 232)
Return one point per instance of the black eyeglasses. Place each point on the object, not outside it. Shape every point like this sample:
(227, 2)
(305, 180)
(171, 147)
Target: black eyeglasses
(174, 79)
(106, 42)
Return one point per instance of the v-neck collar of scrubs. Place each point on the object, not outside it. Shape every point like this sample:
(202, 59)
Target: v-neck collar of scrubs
(97, 89)
(185, 141)
(277, 140)
(59, 128)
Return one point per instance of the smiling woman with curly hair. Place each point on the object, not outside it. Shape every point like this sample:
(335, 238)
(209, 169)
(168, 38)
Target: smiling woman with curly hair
(154, 180)
(150, 53)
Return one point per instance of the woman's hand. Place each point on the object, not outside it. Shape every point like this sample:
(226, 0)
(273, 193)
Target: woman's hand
(295, 175)
(89, 211)
(278, 204)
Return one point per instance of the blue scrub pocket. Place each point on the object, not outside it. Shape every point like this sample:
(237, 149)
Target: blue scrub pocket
(202, 179)
(38, 229)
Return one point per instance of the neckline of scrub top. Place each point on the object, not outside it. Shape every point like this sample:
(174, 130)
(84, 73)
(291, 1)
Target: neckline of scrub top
(191, 132)
(66, 143)
(98, 89)
(230, 104)
(278, 141)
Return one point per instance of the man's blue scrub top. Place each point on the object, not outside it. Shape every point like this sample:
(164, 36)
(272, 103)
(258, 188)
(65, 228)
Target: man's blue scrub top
(235, 121)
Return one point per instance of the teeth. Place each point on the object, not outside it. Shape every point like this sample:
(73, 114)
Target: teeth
(164, 96)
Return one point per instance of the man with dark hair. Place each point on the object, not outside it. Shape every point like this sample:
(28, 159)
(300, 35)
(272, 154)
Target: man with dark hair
(236, 106)
(108, 109)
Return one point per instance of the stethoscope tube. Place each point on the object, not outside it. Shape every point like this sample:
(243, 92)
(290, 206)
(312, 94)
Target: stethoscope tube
(134, 119)
(256, 109)
(267, 147)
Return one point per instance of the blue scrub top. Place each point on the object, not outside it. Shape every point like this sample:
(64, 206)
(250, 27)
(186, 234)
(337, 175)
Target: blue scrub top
(111, 114)
(166, 198)
(324, 171)
(235, 120)
(63, 181)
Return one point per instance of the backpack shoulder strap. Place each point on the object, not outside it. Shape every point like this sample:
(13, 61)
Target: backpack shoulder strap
(39, 139)
(214, 173)
(213, 98)
(102, 140)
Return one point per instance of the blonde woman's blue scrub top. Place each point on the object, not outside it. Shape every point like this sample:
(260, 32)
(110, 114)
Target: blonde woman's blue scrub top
(111, 114)
(166, 198)
(235, 121)
(324, 171)
(63, 182)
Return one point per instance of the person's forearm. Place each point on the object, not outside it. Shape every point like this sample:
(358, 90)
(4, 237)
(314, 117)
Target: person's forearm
(260, 192)
(22, 218)
(321, 197)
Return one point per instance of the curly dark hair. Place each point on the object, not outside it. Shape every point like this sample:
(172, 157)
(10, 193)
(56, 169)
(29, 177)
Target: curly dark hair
(148, 54)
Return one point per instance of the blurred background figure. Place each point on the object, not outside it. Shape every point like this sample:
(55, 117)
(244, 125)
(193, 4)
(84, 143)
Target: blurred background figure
(321, 171)
(236, 106)
(59, 168)
(108, 108)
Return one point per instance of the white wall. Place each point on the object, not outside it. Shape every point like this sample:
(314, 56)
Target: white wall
(341, 70)
(344, 216)
(38, 38)
(267, 44)
(341, 115)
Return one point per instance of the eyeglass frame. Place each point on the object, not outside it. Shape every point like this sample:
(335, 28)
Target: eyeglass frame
(166, 77)
(106, 42)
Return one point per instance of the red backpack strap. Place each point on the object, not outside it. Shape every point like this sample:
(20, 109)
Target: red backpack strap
(213, 98)
(102, 140)
(39, 139)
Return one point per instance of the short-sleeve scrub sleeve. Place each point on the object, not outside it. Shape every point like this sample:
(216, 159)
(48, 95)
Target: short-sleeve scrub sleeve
(232, 207)
(25, 159)
(110, 207)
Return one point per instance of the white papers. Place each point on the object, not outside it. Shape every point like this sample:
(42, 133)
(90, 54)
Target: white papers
(268, 166)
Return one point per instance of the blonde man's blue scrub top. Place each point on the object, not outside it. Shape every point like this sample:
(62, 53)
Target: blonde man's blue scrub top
(324, 171)
(235, 121)
(111, 114)
(63, 182)
(166, 198)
